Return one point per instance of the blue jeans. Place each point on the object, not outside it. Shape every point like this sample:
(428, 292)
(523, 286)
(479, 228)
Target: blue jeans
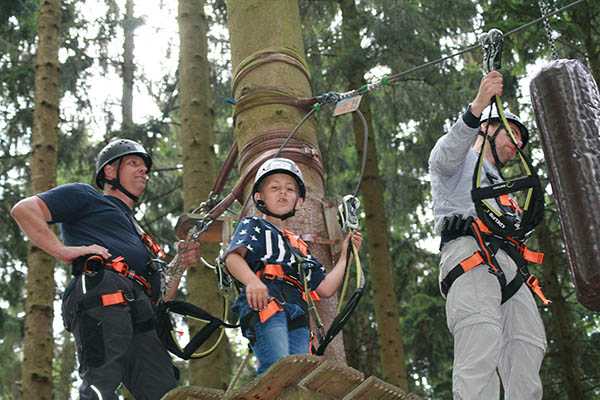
(274, 341)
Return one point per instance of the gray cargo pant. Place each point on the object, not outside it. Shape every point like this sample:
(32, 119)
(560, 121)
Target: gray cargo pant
(490, 338)
(117, 344)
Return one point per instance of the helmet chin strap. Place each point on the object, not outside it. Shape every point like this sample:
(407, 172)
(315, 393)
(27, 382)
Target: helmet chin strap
(116, 183)
(262, 207)
(492, 140)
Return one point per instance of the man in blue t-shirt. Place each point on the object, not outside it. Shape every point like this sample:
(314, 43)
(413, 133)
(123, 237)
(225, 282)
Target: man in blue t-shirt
(108, 306)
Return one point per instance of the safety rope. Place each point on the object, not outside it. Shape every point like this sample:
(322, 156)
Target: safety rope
(262, 95)
(334, 97)
(484, 197)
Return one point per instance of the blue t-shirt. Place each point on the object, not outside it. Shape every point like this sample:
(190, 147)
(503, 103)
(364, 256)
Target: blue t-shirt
(88, 217)
(266, 244)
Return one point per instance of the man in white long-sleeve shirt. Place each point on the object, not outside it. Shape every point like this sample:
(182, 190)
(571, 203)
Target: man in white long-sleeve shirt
(491, 338)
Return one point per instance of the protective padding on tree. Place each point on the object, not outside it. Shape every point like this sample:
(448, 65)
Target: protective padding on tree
(567, 108)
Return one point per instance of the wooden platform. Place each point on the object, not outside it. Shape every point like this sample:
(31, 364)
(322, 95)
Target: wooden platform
(302, 377)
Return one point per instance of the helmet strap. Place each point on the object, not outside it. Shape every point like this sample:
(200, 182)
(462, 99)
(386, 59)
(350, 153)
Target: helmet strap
(262, 207)
(116, 183)
(492, 139)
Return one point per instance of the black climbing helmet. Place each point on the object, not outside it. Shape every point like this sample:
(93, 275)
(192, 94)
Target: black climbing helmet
(113, 151)
(510, 117)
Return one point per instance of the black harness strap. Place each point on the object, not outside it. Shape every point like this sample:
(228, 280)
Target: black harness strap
(165, 330)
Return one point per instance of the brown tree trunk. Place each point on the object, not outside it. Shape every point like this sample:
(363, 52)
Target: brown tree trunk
(38, 346)
(265, 83)
(391, 345)
(199, 160)
(127, 70)
(561, 327)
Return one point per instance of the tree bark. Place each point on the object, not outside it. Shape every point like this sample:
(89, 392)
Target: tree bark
(66, 358)
(255, 26)
(128, 69)
(199, 160)
(391, 345)
(38, 345)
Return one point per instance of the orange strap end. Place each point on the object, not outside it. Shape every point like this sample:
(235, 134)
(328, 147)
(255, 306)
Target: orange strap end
(313, 295)
(110, 299)
(482, 226)
(272, 308)
(534, 284)
(535, 257)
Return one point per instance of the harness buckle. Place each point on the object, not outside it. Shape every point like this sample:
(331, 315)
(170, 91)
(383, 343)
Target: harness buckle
(119, 265)
(128, 296)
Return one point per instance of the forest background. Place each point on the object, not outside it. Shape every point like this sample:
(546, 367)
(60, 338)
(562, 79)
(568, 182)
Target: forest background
(99, 54)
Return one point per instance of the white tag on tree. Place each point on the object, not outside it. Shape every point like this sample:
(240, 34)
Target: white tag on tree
(347, 105)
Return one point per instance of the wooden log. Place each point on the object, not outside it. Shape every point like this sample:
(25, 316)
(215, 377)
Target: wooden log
(286, 373)
(566, 101)
(193, 393)
(333, 380)
(374, 388)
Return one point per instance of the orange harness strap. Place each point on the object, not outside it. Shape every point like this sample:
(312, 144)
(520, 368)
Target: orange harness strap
(273, 272)
(471, 262)
(296, 242)
(110, 299)
(117, 265)
(484, 256)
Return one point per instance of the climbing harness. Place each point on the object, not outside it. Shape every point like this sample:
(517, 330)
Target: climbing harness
(504, 217)
(489, 244)
(91, 265)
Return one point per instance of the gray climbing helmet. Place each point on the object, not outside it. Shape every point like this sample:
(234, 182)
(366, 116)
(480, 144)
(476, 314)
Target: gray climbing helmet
(116, 149)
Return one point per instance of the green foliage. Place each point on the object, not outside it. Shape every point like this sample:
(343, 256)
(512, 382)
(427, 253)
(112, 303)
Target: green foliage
(408, 118)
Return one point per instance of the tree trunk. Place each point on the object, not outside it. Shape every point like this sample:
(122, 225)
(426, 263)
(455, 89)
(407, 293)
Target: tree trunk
(127, 70)
(199, 160)
(66, 359)
(38, 345)
(561, 327)
(584, 18)
(270, 72)
(391, 345)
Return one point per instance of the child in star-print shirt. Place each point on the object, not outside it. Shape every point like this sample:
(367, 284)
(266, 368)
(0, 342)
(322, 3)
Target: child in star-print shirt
(262, 257)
